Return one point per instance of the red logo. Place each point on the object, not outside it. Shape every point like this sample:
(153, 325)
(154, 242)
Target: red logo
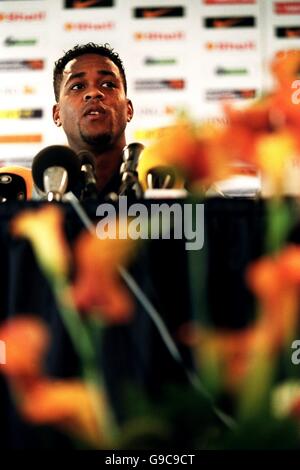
(287, 8)
(108, 25)
(18, 16)
(154, 36)
(21, 138)
(229, 2)
(230, 46)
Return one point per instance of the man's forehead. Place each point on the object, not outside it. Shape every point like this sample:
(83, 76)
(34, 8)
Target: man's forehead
(84, 62)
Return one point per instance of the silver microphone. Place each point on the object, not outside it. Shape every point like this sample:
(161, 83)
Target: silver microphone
(55, 181)
(55, 170)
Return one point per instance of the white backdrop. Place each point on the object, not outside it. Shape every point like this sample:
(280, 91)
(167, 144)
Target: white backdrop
(214, 48)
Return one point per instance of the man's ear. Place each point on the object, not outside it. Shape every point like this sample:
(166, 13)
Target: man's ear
(55, 115)
(129, 110)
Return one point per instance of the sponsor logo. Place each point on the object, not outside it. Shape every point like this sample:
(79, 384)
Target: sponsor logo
(21, 113)
(288, 32)
(10, 41)
(27, 162)
(231, 71)
(88, 3)
(229, 2)
(154, 36)
(152, 111)
(106, 26)
(155, 84)
(230, 22)
(287, 8)
(30, 64)
(21, 139)
(19, 16)
(156, 12)
(230, 46)
(12, 91)
(214, 95)
(160, 61)
(151, 133)
(216, 120)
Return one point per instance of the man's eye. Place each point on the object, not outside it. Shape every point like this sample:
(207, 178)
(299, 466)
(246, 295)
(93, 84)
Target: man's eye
(76, 86)
(109, 84)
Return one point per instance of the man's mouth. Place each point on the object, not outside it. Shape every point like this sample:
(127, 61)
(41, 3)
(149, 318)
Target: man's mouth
(93, 112)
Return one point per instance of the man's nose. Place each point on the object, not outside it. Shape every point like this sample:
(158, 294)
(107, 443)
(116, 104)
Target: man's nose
(93, 92)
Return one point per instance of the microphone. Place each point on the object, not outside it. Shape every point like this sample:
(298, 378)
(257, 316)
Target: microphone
(56, 170)
(128, 170)
(15, 183)
(88, 171)
(161, 177)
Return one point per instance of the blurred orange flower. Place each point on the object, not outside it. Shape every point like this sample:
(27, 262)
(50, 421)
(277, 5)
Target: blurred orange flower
(272, 154)
(257, 117)
(196, 152)
(229, 352)
(265, 135)
(69, 405)
(285, 67)
(97, 287)
(26, 339)
(275, 282)
(44, 229)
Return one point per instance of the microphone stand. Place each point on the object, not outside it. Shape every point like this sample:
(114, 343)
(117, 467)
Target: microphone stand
(130, 185)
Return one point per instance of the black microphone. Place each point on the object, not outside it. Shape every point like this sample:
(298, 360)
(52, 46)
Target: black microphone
(56, 170)
(128, 170)
(161, 177)
(88, 172)
(15, 183)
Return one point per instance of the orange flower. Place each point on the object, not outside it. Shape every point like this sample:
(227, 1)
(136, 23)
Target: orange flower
(226, 354)
(196, 153)
(256, 117)
(273, 154)
(275, 281)
(98, 286)
(44, 229)
(26, 339)
(289, 264)
(68, 404)
(286, 399)
(264, 278)
(234, 352)
(288, 113)
(285, 67)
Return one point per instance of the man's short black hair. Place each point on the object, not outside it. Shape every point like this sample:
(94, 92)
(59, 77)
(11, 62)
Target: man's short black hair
(90, 48)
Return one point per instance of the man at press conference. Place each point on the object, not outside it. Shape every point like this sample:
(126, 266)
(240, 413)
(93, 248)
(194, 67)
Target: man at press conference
(92, 107)
(93, 110)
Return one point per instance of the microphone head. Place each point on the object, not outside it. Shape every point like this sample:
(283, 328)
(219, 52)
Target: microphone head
(15, 183)
(131, 152)
(56, 155)
(161, 177)
(86, 158)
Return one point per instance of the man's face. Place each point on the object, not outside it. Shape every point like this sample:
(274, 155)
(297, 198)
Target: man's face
(92, 109)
